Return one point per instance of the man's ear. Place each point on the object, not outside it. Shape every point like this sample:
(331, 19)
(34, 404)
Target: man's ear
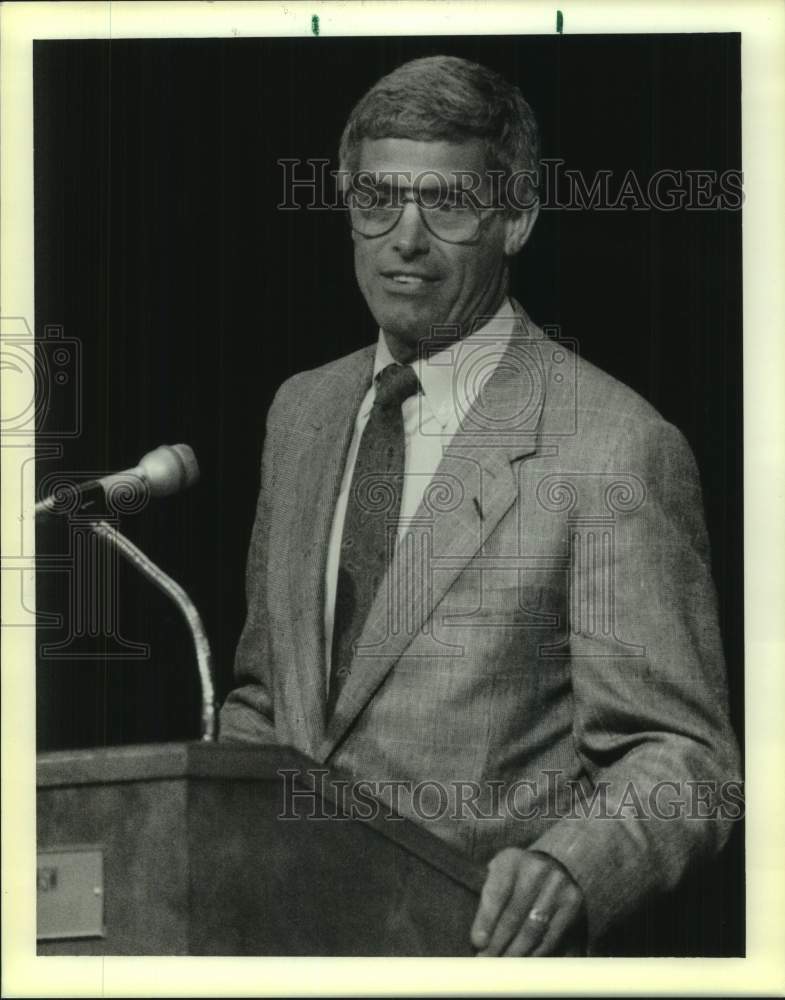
(518, 228)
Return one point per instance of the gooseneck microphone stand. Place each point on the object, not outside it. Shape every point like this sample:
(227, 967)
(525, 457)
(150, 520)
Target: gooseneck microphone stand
(134, 555)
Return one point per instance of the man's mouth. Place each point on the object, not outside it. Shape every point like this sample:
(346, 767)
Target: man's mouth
(408, 278)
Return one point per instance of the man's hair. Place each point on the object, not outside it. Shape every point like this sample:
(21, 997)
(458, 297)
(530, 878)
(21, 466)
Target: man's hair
(444, 98)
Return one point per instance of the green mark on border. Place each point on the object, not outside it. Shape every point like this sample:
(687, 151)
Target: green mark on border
(559, 21)
(315, 25)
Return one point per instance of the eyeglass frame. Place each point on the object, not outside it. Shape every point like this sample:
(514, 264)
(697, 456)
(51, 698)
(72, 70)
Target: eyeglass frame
(482, 215)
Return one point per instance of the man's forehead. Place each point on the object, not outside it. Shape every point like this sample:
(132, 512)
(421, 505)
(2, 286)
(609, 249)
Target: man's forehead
(400, 161)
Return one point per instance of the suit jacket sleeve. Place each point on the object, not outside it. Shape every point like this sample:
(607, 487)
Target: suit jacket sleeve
(247, 714)
(654, 718)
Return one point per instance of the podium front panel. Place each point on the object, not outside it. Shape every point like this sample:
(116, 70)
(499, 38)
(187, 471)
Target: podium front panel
(197, 860)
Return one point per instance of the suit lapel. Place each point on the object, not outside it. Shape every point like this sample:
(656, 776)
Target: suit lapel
(478, 486)
(328, 425)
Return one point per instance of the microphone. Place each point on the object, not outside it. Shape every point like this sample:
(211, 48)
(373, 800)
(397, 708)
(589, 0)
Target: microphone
(160, 473)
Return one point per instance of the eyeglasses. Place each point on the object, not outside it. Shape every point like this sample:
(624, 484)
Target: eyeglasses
(452, 219)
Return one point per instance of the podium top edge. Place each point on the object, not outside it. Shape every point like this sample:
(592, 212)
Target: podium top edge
(163, 761)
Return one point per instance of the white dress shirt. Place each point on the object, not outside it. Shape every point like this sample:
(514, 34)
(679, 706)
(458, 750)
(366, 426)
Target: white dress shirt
(450, 385)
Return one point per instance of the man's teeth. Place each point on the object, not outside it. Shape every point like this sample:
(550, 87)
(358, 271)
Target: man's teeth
(407, 279)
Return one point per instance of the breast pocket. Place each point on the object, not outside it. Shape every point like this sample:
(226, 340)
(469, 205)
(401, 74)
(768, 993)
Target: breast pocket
(503, 595)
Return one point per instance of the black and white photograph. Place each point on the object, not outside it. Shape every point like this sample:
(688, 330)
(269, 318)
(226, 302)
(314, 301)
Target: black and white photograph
(382, 560)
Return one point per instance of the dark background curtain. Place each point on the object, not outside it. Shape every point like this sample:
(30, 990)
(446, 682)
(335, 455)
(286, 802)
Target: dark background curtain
(184, 297)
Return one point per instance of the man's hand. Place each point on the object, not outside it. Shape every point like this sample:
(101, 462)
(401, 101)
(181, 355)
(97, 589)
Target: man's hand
(530, 905)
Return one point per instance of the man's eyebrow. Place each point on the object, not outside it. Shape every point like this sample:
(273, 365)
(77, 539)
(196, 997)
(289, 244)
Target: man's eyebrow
(429, 183)
(384, 180)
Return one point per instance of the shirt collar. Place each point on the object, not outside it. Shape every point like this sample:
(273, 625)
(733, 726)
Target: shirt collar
(448, 397)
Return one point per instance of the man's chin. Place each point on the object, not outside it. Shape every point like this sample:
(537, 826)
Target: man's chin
(407, 327)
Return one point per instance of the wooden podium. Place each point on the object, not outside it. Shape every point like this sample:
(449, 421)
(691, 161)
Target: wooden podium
(180, 849)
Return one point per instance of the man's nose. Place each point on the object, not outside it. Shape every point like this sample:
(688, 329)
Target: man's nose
(410, 236)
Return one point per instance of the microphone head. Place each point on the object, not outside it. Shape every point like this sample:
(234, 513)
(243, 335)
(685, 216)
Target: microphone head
(169, 469)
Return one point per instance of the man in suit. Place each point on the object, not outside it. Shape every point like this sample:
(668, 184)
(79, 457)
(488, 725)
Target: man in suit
(479, 568)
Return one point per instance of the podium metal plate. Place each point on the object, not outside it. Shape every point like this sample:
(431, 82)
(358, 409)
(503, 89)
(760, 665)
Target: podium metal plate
(70, 893)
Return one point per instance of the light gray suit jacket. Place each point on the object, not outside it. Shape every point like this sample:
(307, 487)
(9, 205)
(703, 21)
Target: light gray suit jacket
(558, 633)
